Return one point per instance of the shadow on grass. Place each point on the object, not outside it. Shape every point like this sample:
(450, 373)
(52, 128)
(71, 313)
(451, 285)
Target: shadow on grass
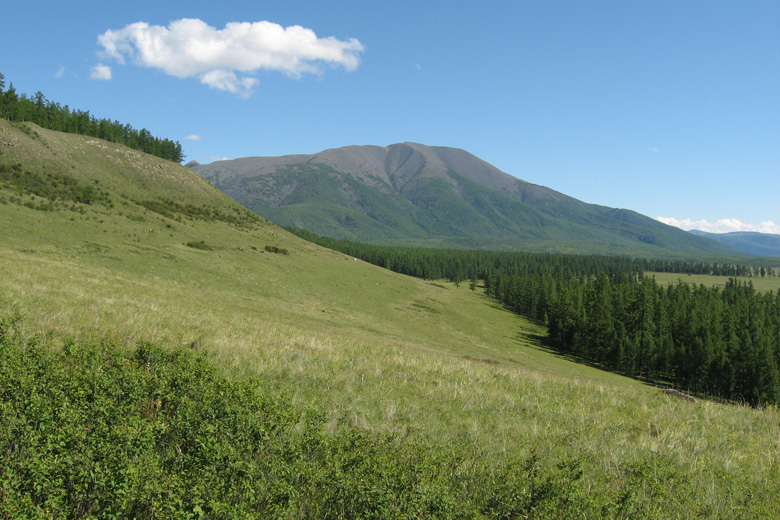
(542, 343)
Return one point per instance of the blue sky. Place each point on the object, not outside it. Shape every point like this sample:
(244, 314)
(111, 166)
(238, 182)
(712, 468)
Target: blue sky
(669, 108)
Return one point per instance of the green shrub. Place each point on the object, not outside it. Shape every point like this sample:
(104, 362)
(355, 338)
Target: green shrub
(277, 250)
(243, 219)
(200, 244)
(51, 186)
(101, 431)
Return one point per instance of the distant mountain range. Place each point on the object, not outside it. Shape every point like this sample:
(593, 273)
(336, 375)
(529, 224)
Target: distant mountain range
(764, 244)
(413, 194)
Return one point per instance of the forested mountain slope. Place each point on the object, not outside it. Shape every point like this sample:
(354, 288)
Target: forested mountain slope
(765, 244)
(414, 194)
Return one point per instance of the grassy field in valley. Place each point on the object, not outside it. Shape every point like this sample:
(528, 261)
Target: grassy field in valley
(365, 347)
(761, 284)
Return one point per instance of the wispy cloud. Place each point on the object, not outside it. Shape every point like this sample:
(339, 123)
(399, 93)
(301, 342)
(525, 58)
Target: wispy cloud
(222, 58)
(60, 72)
(194, 137)
(724, 225)
(100, 71)
(654, 149)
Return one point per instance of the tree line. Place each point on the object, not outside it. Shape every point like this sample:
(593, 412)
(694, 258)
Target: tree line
(54, 116)
(716, 341)
(459, 265)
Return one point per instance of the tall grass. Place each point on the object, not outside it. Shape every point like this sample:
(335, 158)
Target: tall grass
(97, 429)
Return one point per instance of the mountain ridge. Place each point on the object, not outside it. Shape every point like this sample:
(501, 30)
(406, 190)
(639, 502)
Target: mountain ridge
(435, 195)
(755, 243)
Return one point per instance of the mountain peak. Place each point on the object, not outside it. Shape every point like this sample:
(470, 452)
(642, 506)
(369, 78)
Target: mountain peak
(411, 193)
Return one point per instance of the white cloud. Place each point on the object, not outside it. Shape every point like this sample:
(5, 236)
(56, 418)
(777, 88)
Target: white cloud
(100, 71)
(724, 225)
(60, 72)
(654, 149)
(227, 80)
(194, 137)
(221, 58)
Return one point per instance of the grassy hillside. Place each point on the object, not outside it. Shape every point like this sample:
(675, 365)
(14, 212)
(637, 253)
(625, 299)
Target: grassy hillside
(363, 347)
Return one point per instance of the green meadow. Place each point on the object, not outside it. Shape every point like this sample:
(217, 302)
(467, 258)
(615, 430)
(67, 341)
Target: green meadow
(162, 258)
(765, 284)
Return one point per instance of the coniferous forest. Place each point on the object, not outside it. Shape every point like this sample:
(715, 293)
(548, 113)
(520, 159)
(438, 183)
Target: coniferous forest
(54, 116)
(720, 342)
(708, 340)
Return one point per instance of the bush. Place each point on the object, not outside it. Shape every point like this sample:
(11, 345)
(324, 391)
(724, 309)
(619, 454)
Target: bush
(50, 186)
(277, 250)
(101, 431)
(243, 219)
(200, 244)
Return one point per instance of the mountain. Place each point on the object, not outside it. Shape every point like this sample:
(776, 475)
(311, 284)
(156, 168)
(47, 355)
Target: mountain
(98, 237)
(764, 244)
(413, 194)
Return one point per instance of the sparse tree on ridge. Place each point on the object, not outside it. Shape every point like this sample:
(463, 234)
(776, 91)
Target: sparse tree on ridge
(53, 116)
